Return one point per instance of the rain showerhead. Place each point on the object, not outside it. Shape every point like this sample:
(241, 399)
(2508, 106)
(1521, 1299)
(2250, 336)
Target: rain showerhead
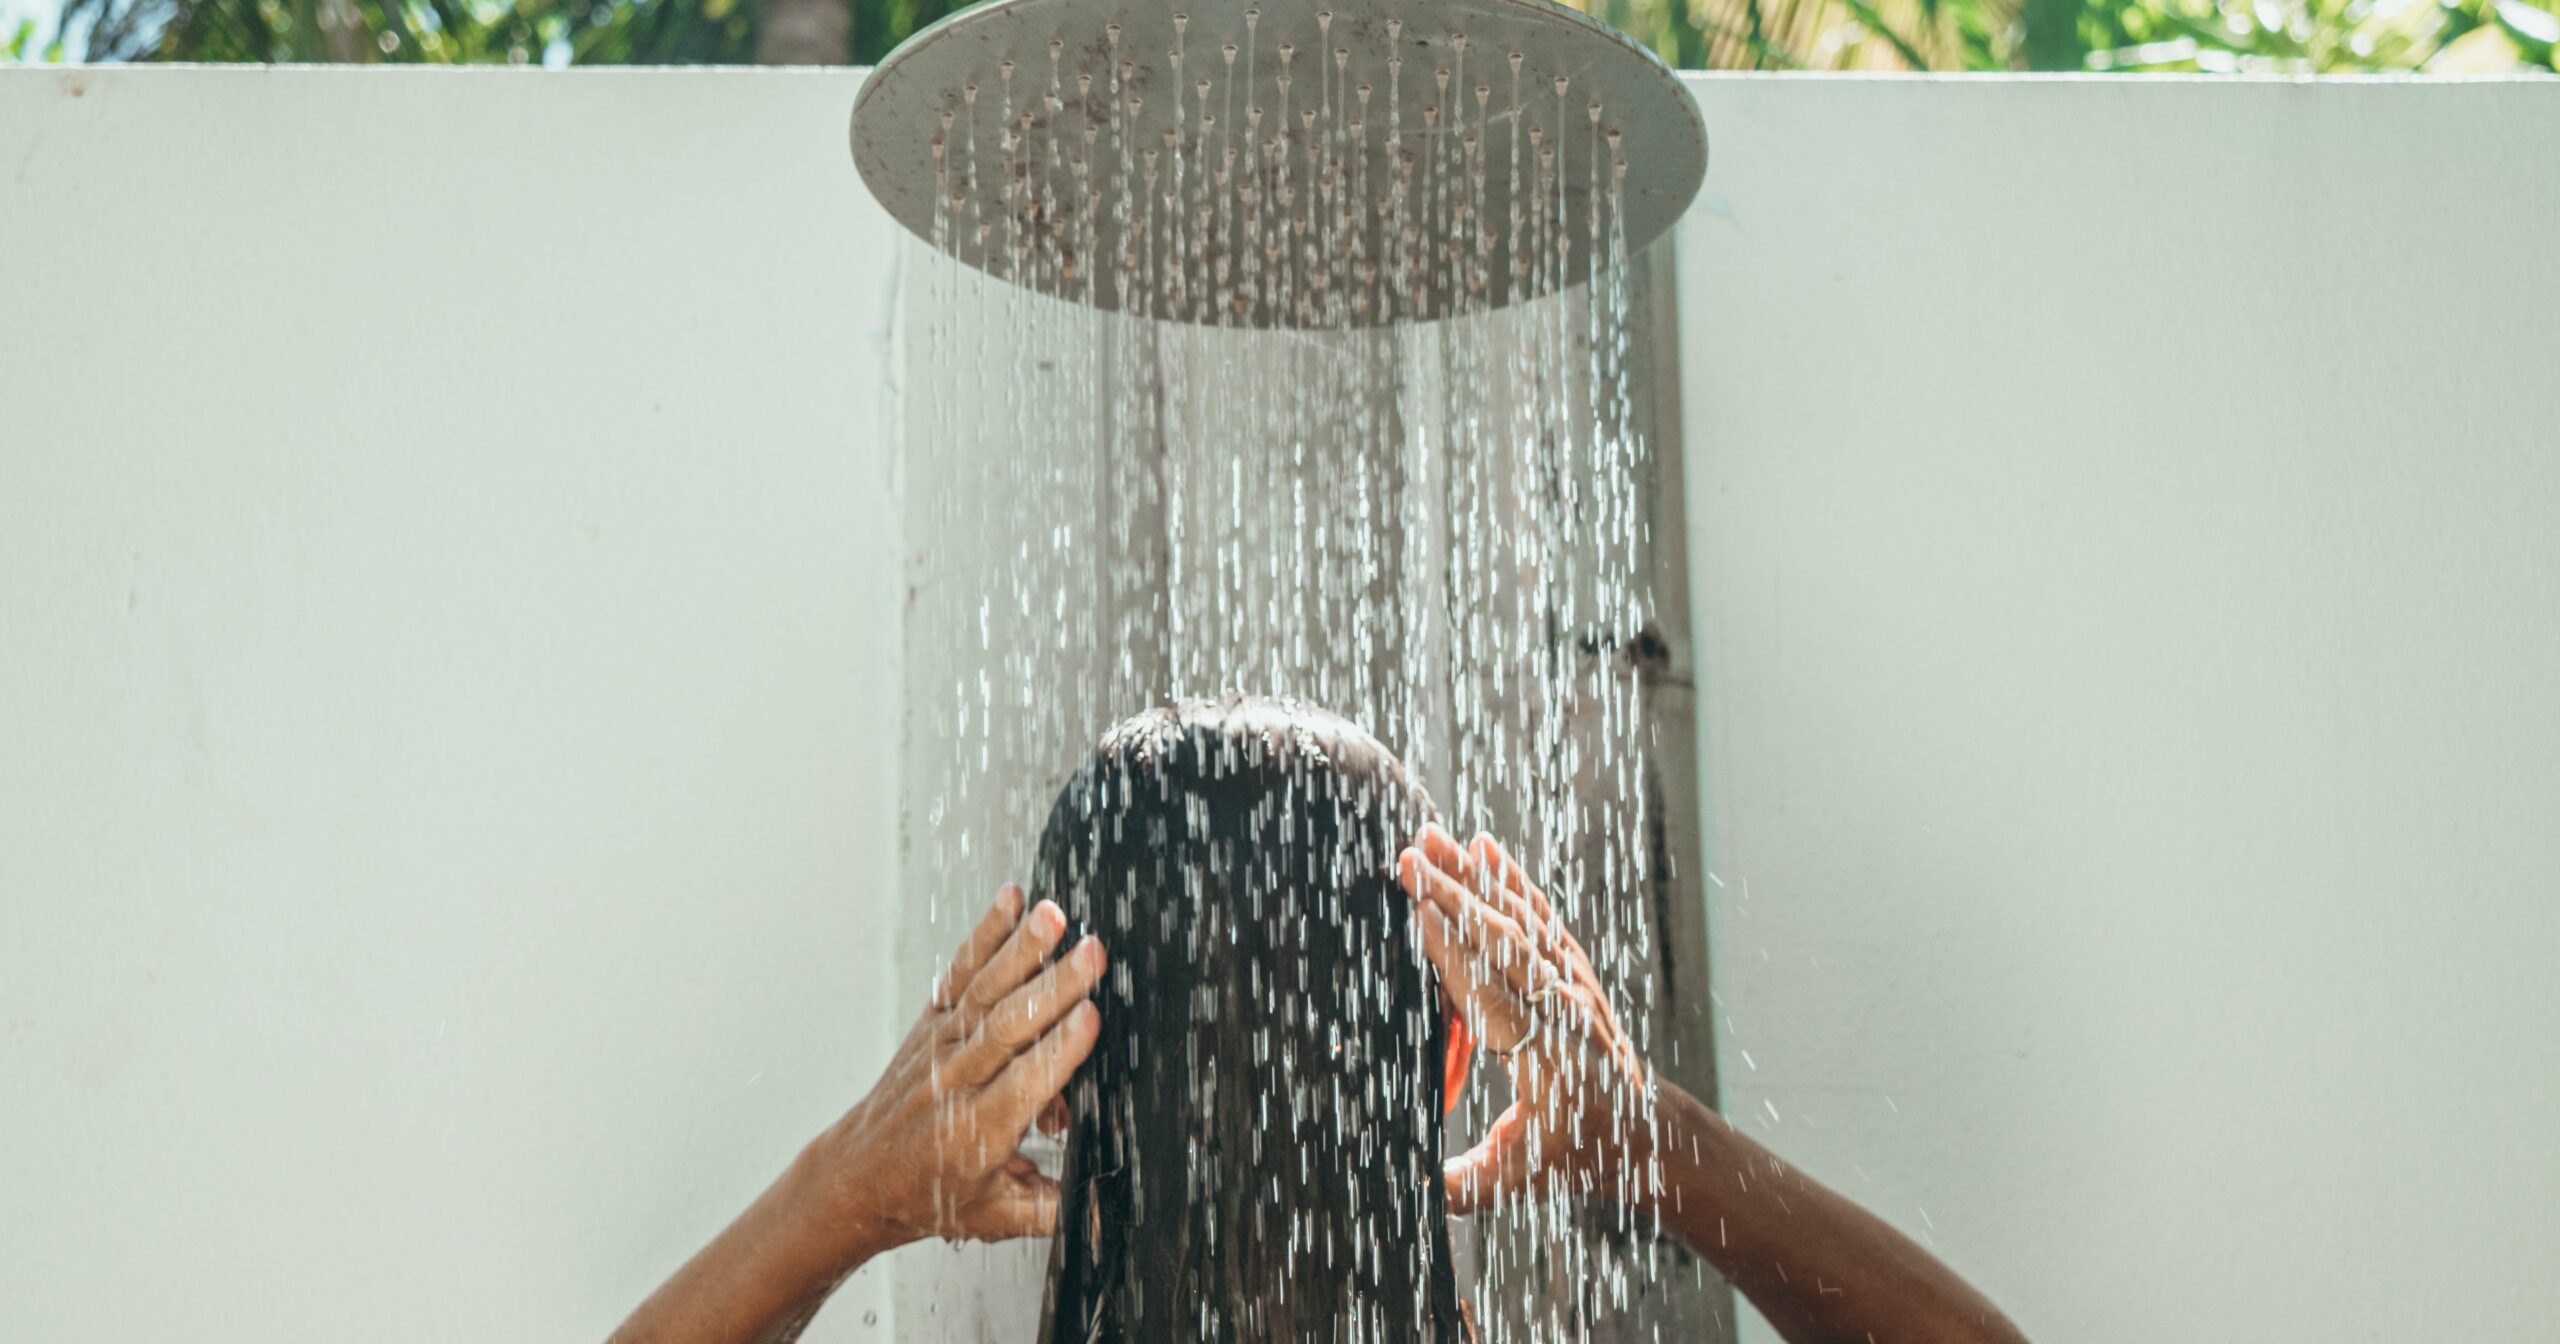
(1313, 164)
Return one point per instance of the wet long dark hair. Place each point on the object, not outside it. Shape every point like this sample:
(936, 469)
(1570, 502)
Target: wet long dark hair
(1254, 1153)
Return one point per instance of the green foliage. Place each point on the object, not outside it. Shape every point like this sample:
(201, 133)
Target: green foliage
(880, 25)
(2265, 36)
(2281, 36)
(18, 44)
(444, 32)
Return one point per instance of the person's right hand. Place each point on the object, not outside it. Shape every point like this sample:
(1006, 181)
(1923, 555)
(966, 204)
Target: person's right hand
(1576, 1123)
(932, 1151)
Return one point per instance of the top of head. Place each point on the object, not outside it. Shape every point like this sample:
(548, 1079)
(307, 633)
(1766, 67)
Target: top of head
(1319, 164)
(1237, 772)
(1274, 727)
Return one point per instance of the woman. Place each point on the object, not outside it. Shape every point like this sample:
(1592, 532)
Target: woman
(1255, 1150)
(1243, 853)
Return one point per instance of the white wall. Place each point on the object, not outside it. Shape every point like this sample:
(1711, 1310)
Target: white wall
(2125, 524)
(447, 727)
(446, 690)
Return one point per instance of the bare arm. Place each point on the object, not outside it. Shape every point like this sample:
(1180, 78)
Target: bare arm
(932, 1151)
(1822, 1269)
(765, 1276)
(1818, 1266)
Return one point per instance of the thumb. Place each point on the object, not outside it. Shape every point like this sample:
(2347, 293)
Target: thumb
(1492, 1171)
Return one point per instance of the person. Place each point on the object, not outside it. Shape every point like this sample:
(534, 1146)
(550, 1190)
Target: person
(1264, 873)
(1255, 1149)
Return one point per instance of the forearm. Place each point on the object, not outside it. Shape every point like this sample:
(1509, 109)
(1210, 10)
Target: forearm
(933, 1150)
(766, 1274)
(1819, 1267)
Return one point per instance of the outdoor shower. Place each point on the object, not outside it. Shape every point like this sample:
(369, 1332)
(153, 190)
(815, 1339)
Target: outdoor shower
(1312, 349)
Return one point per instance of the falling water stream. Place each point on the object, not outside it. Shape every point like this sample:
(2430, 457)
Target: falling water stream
(1206, 393)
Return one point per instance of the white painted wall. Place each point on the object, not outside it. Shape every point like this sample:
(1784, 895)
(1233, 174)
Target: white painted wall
(447, 726)
(2125, 523)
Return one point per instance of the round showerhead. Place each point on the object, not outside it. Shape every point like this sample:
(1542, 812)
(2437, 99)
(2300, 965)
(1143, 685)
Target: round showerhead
(1314, 163)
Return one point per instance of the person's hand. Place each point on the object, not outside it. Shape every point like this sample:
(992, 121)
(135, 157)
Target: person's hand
(1579, 1090)
(933, 1150)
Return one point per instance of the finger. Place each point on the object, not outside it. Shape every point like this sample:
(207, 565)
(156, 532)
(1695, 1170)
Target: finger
(1511, 876)
(981, 944)
(1506, 886)
(1474, 868)
(1497, 863)
(1491, 934)
(1023, 1205)
(1015, 962)
(1487, 932)
(1484, 866)
(1568, 955)
(1446, 854)
(1414, 873)
(1496, 1010)
(1028, 1013)
(1481, 874)
(1054, 1116)
(1550, 974)
(1493, 1170)
(1525, 902)
(1039, 1073)
(1451, 891)
(1454, 959)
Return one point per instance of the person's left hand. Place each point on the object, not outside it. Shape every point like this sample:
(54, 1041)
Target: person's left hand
(932, 1151)
(1575, 1123)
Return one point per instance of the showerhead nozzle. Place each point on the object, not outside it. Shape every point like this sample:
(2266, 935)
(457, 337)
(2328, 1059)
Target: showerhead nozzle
(1330, 164)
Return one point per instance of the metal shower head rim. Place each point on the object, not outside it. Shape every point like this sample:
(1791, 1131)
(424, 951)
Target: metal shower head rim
(1019, 47)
